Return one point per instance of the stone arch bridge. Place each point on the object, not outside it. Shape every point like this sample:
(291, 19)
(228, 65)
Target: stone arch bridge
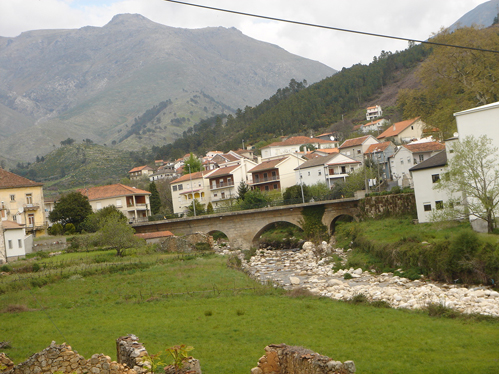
(243, 228)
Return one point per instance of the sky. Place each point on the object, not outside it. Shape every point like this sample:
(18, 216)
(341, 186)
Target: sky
(416, 19)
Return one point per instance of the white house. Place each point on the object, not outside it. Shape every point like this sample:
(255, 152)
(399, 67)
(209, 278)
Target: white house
(373, 112)
(409, 155)
(131, 201)
(403, 132)
(425, 175)
(477, 122)
(293, 145)
(15, 241)
(276, 173)
(339, 167)
(356, 147)
(312, 171)
(189, 187)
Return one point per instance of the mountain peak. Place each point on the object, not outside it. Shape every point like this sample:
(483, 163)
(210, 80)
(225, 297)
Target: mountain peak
(129, 19)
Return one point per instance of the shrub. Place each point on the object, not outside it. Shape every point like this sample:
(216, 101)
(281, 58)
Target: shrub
(6, 268)
(396, 189)
(202, 246)
(234, 261)
(359, 298)
(347, 276)
(69, 229)
(440, 310)
(36, 267)
(56, 229)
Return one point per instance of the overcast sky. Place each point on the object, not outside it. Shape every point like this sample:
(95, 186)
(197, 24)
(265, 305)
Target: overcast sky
(415, 19)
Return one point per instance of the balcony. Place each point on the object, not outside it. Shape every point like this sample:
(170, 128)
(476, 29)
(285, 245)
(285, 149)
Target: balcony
(265, 180)
(31, 207)
(222, 185)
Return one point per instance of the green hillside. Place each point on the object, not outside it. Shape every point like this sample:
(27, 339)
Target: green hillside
(79, 165)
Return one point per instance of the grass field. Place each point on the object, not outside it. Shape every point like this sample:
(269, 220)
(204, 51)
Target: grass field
(229, 319)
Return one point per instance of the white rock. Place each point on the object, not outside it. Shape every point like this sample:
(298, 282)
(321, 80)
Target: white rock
(357, 271)
(294, 280)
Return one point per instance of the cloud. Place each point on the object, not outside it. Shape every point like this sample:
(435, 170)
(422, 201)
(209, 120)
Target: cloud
(337, 49)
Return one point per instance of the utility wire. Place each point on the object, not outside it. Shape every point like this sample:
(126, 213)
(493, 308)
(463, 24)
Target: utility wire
(48, 316)
(331, 28)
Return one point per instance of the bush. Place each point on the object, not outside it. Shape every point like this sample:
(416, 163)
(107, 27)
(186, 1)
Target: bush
(69, 229)
(56, 229)
(202, 247)
(347, 276)
(6, 268)
(396, 189)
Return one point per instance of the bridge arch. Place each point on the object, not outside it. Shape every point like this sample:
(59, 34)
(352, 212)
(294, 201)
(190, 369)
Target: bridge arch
(340, 218)
(266, 227)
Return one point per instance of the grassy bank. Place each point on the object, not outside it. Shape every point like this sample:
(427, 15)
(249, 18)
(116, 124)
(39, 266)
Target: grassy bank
(448, 252)
(229, 319)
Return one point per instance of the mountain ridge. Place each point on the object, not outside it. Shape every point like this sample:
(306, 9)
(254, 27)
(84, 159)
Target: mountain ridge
(93, 81)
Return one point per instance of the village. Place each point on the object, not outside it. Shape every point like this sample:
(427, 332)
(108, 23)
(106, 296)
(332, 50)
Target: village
(405, 155)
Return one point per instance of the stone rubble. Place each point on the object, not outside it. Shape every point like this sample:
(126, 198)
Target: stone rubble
(305, 269)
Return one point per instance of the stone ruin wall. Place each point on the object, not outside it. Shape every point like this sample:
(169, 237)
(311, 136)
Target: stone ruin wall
(278, 359)
(284, 359)
(63, 359)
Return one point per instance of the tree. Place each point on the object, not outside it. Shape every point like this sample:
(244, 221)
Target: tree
(116, 233)
(194, 163)
(473, 171)
(68, 141)
(71, 208)
(454, 79)
(154, 199)
(255, 199)
(95, 221)
(199, 208)
(294, 193)
(209, 208)
(242, 189)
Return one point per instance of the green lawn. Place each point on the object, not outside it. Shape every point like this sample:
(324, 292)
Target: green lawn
(163, 306)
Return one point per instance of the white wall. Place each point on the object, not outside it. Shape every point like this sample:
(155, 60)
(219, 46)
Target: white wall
(424, 192)
(16, 240)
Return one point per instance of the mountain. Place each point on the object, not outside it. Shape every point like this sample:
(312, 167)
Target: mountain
(94, 81)
(483, 15)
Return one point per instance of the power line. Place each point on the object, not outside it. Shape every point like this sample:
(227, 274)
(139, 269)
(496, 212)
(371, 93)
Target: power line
(330, 27)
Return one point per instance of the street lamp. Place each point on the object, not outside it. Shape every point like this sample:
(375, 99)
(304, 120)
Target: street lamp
(192, 191)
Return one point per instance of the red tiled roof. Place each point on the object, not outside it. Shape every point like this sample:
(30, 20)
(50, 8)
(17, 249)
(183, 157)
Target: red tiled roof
(372, 107)
(354, 142)
(111, 190)
(186, 177)
(223, 171)
(154, 235)
(11, 180)
(356, 127)
(266, 165)
(379, 147)
(425, 147)
(11, 225)
(329, 151)
(139, 168)
(298, 140)
(397, 128)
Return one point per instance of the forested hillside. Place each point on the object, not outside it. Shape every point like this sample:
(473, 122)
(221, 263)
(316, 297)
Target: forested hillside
(298, 109)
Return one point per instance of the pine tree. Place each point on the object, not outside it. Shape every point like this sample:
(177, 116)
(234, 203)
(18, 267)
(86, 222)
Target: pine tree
(154, 199)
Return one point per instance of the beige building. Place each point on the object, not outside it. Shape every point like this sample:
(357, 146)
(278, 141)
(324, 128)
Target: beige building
(404, 132)
(131, 201)
(276, 173)
(189, 187)
(21, 201)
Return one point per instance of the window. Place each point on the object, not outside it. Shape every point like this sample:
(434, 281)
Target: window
(401, 161)
(12, 197)
(222, 195)
(358, 151)
(229, 181)
(275, 186)
(180, 187)
(118, 203)
(427, 207)
(174, 188)
(29, 199)
(19, 243)
(309, 174)
(265, 176)
(274, 174)
(439, 204)
(435, 178)
(421, 158)
(99, 206)
(343, 170)
(266, 188)
(14, 218)
(412, 127)
(320, 172)
(10, 244)
(415, 162)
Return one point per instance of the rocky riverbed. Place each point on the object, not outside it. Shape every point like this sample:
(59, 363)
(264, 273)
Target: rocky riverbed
(306, 269)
